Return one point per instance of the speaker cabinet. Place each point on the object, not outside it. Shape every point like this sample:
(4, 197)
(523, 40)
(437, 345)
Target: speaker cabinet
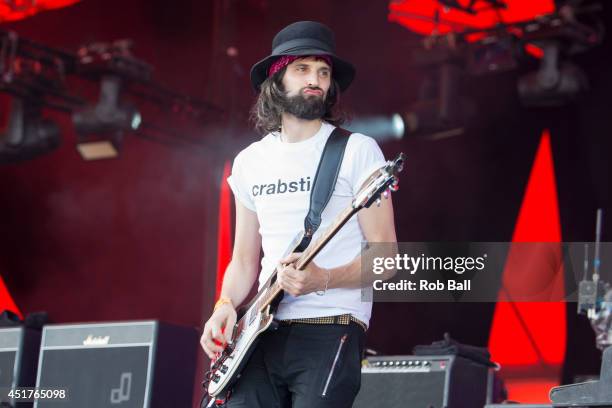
(18, 357)
(144, 364)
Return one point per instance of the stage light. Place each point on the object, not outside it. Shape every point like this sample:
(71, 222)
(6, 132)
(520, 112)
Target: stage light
(17, 10)
(101, 127)
(380, 127)
(27, 135)
(554, 84)
(441, 111)
(426, 119)
(109, 114)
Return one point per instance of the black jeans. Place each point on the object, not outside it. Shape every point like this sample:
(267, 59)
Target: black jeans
(302, 366)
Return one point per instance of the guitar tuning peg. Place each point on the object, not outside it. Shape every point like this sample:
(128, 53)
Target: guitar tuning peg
(378, 202)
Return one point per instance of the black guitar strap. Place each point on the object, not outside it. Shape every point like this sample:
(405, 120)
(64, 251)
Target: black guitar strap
(324, 183)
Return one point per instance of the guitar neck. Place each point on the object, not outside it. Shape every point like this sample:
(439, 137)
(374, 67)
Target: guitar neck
(308, 255)
(316, 247)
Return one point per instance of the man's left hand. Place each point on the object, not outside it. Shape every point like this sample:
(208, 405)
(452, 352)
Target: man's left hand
(301, 282)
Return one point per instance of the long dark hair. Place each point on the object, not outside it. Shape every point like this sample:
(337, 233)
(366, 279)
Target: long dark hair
(267, 110)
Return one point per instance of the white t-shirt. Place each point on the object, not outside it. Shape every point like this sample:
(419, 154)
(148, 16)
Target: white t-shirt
(273, 178)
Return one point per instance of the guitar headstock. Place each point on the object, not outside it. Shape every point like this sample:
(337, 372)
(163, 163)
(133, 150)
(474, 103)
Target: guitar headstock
(383, 179)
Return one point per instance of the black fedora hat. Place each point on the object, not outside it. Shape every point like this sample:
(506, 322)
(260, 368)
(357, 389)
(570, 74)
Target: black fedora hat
(304, 38)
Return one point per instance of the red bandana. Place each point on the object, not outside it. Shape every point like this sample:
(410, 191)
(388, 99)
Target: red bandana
(283, 61)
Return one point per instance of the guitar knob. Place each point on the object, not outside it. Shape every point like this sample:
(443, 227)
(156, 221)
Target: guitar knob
(378, 202)
(223, 369)
(216, 378)
(386, 194)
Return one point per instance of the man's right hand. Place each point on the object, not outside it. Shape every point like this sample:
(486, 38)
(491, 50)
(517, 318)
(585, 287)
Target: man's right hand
(219, 328)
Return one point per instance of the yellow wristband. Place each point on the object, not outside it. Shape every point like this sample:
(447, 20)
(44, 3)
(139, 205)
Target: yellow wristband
(222, 301)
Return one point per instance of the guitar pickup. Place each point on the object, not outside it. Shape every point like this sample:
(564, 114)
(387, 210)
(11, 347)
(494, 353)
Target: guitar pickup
(223, 369)
(216, 378)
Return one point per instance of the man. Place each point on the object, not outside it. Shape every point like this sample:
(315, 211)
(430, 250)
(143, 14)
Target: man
(313, 359)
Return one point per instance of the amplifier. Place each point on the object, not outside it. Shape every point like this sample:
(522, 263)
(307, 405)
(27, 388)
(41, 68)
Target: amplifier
(445, 381)
(18, 356)
(144, 364)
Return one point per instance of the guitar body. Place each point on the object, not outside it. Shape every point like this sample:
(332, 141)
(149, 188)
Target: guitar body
(232, 364)
(253, 319)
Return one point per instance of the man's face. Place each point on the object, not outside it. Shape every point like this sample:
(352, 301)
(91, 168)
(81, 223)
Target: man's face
(306, 82)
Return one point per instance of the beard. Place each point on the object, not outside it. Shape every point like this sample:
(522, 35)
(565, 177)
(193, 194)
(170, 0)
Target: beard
(307, 107)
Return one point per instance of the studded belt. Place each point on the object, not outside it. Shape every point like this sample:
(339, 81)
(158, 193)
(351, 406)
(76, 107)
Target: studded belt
(344, 319)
